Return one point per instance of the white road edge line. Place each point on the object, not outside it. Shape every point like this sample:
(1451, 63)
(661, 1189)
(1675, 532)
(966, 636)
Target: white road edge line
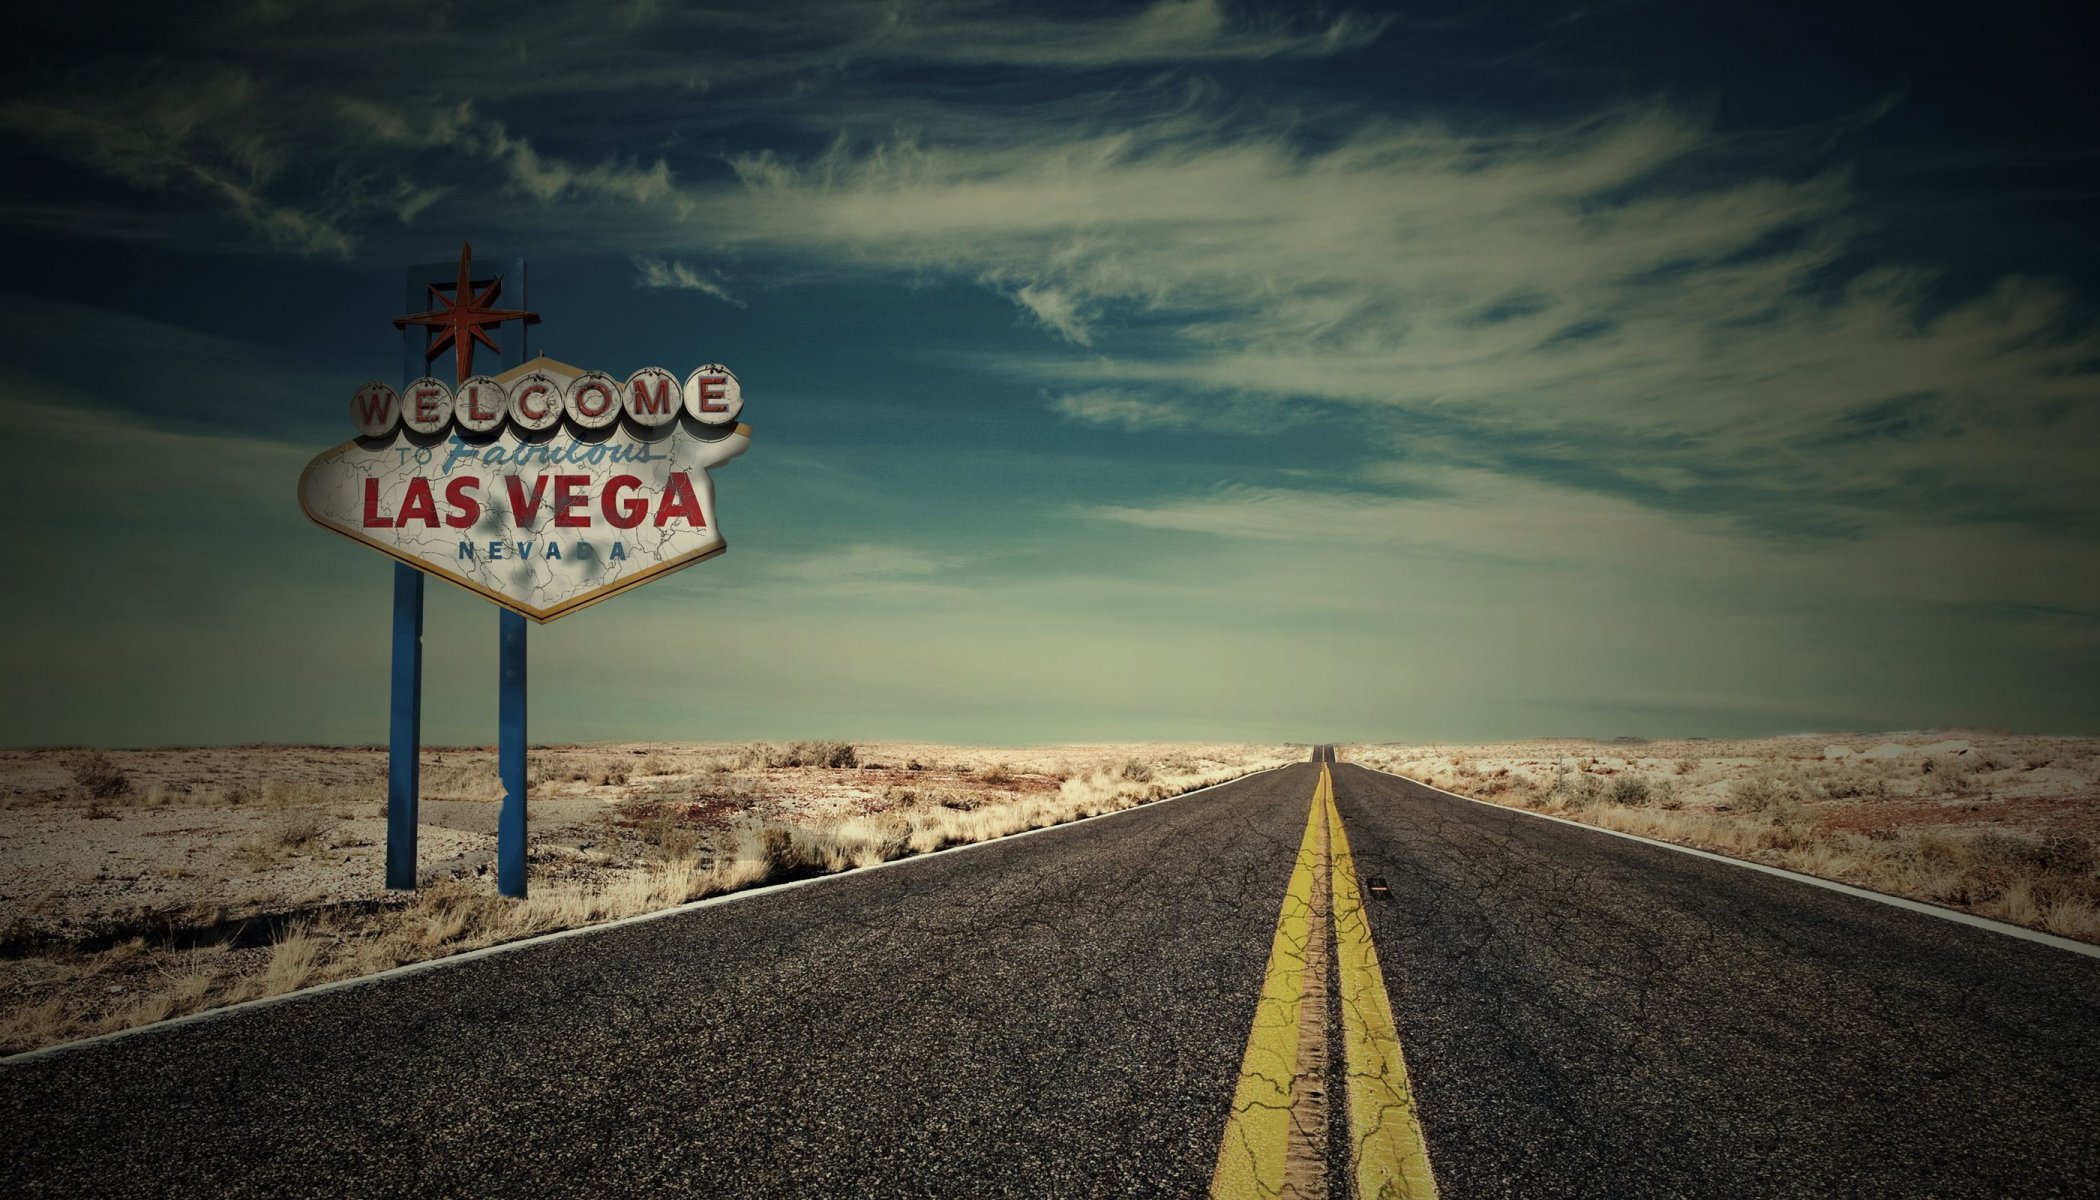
(432, 964)
(1930, 910)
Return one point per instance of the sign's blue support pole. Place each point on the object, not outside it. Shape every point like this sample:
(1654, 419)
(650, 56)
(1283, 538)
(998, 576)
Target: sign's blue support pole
(405, 729)
(510, 759)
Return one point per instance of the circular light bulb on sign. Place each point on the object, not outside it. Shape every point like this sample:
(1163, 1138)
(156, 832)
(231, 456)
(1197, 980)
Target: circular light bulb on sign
(374, 409)
(653, 397)
(593, 400)
(480, 404)
(426, 405)
(713, 396)
(535, 402)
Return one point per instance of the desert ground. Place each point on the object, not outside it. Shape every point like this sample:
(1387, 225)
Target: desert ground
(2001, 825)
(138, 885)
(142, 884)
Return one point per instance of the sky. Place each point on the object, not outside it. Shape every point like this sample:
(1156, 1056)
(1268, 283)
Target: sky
(1437, 372)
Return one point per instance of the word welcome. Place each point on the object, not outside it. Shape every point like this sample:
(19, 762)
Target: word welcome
(618, 502)
(535, 402)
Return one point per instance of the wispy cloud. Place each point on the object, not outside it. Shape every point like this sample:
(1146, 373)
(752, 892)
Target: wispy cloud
(1166, 31)
(187, 137)
(867, 570)
(679, 276)
(1577, 281)
(1578, 537)
(1120, 410)
(863, 561)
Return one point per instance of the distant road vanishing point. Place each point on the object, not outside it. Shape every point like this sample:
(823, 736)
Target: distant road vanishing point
(1318, 980)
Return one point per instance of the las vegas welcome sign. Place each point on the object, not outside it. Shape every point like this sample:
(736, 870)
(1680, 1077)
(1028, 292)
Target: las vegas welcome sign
(545, 488)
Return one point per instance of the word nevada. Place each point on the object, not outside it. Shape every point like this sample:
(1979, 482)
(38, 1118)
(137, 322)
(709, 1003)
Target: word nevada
(537, 400)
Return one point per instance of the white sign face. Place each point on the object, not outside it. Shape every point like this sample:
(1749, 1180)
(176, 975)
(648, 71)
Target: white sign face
(542, 523)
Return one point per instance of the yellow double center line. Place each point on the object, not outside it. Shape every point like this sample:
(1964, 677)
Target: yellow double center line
(1275, 1142)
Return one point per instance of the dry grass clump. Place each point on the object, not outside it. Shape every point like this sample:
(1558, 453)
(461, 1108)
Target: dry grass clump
(810, 754)
(300, 830)
(97, 775)
(477, 781)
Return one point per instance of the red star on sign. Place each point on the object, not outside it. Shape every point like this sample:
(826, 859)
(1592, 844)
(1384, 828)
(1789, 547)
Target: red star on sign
(461, 318)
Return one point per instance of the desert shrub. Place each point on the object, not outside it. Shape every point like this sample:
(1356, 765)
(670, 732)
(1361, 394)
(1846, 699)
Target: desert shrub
(287, 791)
(2068, 854)
(1135, 771)
(1937, 849)
(2007, 849)
(1851, 787)
(790, 849)
(1630, 790)
(2058, 854)
(998, 773)
(670, 838)
(300, 830)
(1756, 793)
(1559, 787)
(811, 754)
(97, 775)
(1785, 835)
(476, 780)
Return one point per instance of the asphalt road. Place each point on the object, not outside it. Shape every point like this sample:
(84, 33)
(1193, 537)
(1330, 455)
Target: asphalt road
(1064, 1015)
(1587, 1015)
